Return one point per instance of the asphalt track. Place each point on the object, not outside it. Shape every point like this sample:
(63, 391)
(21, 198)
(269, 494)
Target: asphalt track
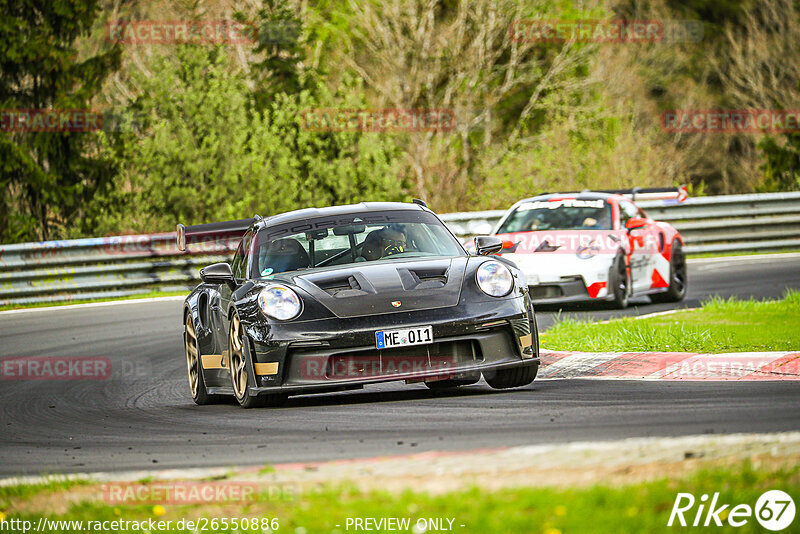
(142, 416)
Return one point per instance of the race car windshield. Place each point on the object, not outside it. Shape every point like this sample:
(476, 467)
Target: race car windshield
(564, 214)
(341, 240)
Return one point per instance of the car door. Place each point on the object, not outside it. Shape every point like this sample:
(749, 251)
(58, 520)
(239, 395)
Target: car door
(219, 308)
(642, 246)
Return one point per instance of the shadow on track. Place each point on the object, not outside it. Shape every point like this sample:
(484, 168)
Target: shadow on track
(359, 397)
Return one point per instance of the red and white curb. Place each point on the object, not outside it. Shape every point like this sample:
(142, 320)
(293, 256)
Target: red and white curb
(671, 365)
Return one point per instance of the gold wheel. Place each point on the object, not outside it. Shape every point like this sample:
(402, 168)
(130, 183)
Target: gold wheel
(237, 358)
(192, 356)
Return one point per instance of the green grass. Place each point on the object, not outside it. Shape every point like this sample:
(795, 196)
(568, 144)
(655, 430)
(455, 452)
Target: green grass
(642, 507)
(721, 325)
(12, 493)
(150, 294)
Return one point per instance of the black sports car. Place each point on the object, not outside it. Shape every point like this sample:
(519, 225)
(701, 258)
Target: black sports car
(334, 298)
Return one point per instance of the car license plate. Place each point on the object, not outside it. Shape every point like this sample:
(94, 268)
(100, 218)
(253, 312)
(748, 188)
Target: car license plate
(421, 335)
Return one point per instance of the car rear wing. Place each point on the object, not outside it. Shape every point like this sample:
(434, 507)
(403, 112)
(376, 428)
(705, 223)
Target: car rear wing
(679, 194)
(202, 233)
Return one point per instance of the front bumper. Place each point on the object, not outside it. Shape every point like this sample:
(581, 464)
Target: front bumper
(341, 353)
(561, 278)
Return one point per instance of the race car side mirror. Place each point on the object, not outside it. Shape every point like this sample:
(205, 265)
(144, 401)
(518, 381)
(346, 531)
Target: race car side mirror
(217, 273)
(635, 222)
(488, 244)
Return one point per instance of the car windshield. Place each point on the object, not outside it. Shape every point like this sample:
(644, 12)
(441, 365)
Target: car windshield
(343, 240)
(562, 214)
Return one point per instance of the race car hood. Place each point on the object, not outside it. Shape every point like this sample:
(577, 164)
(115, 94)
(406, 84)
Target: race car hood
(386, 286)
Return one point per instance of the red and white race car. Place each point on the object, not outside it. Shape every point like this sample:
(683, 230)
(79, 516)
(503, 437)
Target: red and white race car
(595, 246)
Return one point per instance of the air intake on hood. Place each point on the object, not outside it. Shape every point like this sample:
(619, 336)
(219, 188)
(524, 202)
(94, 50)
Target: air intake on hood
(344, 286)
(423, 277)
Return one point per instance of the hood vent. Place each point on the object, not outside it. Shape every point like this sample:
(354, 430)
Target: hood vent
(545, 246)
(341, 286)
(420, 283)
(423, 277)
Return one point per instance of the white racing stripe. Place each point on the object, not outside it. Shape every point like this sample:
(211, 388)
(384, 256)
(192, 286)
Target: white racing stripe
(577, 364)
(95, 304)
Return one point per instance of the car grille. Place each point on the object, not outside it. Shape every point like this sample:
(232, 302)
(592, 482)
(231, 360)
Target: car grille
(445, 355)
(546, 292)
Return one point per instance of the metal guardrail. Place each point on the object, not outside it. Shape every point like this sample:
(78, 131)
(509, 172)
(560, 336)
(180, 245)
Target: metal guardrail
(54, 271)
(119, 266)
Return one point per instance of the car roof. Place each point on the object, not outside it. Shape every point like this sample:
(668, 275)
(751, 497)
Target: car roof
(363, 207)
(583, 195)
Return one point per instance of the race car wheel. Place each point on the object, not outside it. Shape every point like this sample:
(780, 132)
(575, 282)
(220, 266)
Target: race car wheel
(619, 283)
(197, 385)
(677, 277)
(512, 378)
(239, 363)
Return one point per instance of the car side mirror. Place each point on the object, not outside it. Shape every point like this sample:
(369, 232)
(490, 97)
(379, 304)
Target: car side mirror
(635, 222)
(488, 244)
(217, 273)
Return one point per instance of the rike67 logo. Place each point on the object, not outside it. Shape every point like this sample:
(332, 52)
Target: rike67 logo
(774, 510)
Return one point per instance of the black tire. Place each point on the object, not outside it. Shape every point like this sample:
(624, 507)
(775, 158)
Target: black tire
(678, 281)
(619, 283)
(512, 378)
(197, 383)
(239, 365)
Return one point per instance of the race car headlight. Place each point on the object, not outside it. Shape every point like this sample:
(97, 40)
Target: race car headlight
(494, 279)
(279, 302)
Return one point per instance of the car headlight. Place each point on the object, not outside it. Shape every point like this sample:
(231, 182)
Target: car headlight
(279, 302)
(495, 279)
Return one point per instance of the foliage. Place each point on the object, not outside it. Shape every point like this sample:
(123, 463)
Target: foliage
(199, 152)
(608, 507)
(47, 178)
(782, 165)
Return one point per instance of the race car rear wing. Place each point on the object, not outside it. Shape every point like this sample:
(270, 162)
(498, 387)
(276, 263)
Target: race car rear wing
(202, 233)
(678, 194)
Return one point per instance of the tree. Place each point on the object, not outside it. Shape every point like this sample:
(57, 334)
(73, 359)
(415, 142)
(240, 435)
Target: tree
(202, 153)
(782, 165)
(279, 52)
(467, 58)
(46, 178)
